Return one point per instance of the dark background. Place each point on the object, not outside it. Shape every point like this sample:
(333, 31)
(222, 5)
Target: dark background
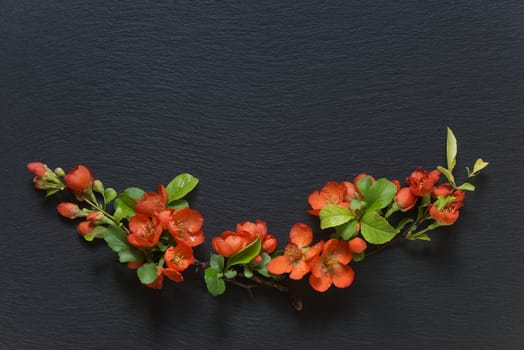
(263, 102)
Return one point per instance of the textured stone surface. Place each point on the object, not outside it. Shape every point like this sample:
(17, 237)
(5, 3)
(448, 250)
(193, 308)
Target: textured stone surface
(264, 102)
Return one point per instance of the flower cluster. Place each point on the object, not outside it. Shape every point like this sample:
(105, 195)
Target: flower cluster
(155, 232)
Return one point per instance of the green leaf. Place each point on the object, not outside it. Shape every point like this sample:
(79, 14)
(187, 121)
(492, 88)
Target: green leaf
(50, 192)
(126, 201)
(479, 165)
(466, 186)
(245, 255)
(116, 240)
(358, 257)
(356, 204)
(424, 237)
(402, 223)
(147, 273)
(214, 283)
(109, 195)
(178, 204)
(347, 230)
(99, 232)
(119, 214)
(375, 229)
(216, 262)
(380, 194)
(451, 150)
(364, 184)
(247, 272)
(180, 186)
(334, 215)
(230, 274)
(447, 174)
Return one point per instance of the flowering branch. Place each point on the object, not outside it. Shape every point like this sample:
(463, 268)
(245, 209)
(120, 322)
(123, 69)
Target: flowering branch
(155, 232)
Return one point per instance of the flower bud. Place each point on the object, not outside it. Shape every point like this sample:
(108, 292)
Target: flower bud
(79, 179)
(69, 210)
(357, 245)
(37, 168)
(98, 186)
(85, 228)
(405, 199)
(59, 172)
(269, 244)
(257, 259)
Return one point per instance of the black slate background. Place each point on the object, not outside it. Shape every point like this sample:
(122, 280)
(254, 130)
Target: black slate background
(264, 102)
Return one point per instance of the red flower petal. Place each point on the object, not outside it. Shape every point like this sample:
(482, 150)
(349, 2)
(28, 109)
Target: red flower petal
(342, 275)
(320, 284)
(301, 235)
(279, 265)
(299, 270)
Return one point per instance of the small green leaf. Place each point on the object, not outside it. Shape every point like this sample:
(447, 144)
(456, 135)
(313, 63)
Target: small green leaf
(358, 257)
(375, 229)
(116, 240)
(49, 193)
(402, 223)
(347, 230)
(380, 194)
(119, 214)
(424, 237)
(451, 150)
(180, 186)
(178, 204)
(245, 255)
(447, 174)
(334, 215)
(466, 186)
(89, 237)
(126, 201)
(147, 273)
(230, 274)
(247, 272)
(470, 174)
(99, 232)
(109, 195)
(479, 165)
(215, 284)
(364, 184)
(216, 262)
(356, 204)
(135, 192)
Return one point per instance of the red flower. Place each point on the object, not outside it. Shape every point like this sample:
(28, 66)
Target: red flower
(297, 254)
(357, 245)
(422, 182)
(180, 257)
(447, 215)
(185, 226)
(79, 179)
(69, 210)
(152, 202)
(85, 228)
(145, 232)
(331, 193)
(259, 229)
(331, 267)
(229, 243)
(405, 199)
